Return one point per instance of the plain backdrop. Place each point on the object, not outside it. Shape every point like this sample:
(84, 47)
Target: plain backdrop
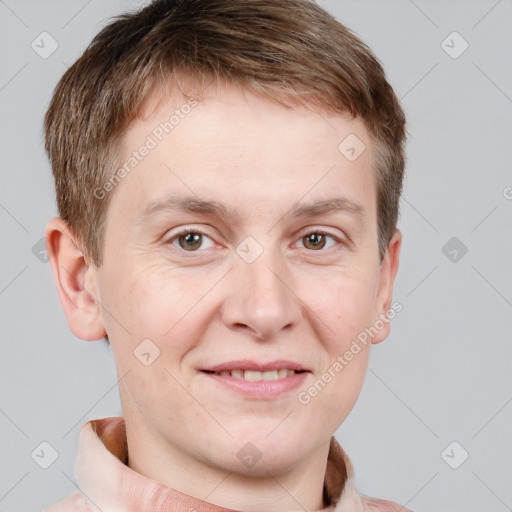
(432, 427)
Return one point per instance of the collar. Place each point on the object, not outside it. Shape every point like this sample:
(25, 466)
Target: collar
(105, 479)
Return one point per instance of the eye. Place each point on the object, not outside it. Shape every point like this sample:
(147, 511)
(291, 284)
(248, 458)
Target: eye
(317, 240)
(190, 240)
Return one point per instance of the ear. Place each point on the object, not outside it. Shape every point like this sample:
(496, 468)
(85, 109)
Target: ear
(388, 269)
(75, 280)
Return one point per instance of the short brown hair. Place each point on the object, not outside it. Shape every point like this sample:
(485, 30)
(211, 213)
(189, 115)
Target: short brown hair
(289, 51)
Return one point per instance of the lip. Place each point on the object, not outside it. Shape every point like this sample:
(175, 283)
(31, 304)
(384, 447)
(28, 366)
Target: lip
(249, 364)
(263, 389)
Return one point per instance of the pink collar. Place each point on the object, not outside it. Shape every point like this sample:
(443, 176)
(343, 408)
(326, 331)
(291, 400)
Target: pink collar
(107, 482)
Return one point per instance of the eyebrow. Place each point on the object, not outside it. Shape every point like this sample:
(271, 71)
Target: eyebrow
(194, 204)
(332, 205)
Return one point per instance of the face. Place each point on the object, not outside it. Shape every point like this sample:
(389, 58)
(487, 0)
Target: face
(240, 263)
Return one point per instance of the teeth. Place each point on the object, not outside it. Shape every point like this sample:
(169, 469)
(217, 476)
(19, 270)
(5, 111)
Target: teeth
(270, 375)
(282, 373)
(237, 374)
(255, 376)
(252, 376)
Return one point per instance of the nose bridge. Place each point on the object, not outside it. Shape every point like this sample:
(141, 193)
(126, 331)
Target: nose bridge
(261, 299)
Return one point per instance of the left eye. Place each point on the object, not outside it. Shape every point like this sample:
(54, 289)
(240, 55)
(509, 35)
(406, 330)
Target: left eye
(317, 240)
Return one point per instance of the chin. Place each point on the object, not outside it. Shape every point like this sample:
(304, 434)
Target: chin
(255, 462)
(267, 447)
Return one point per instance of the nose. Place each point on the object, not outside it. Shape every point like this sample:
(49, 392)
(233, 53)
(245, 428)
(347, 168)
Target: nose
(262, 300)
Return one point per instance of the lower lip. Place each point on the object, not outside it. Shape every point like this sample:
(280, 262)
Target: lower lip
(261, 388)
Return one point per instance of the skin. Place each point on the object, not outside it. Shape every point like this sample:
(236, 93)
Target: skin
(299, 300)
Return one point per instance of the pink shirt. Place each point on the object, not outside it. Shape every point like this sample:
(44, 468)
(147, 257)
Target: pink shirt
(106, 483)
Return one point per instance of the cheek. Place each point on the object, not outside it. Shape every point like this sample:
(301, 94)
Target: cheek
(164, 306)
(346, 305)
(152, 299)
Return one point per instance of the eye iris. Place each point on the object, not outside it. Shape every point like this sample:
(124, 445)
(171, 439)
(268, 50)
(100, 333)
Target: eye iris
(192, 241)
(316, 240)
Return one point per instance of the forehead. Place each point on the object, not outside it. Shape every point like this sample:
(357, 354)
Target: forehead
(243, 150)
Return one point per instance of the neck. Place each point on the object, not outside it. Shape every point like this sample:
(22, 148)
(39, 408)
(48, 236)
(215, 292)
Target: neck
(297, 488)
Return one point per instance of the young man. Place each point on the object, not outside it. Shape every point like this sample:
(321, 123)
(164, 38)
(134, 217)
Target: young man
(228, 177)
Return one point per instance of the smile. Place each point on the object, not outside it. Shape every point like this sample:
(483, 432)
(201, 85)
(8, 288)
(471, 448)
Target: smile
(255, 376)
(259, 381)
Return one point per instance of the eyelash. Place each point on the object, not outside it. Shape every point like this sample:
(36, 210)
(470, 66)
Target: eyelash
(202, 233)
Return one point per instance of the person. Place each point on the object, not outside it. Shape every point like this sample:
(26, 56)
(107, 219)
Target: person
(228, 177)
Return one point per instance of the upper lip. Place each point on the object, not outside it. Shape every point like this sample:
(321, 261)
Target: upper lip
(247, 364)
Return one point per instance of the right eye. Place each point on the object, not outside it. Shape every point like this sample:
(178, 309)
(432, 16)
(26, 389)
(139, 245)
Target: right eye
(189, 240)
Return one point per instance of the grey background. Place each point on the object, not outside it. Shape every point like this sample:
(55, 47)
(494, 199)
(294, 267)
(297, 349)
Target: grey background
(444, 373)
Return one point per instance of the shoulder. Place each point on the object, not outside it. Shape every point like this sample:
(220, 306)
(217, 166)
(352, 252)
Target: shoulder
(76, 502)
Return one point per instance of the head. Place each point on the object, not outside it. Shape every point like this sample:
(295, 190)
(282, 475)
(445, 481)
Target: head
(228, 177)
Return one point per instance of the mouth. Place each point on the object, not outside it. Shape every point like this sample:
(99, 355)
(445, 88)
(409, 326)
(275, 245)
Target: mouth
(258, 380)
(255, 375)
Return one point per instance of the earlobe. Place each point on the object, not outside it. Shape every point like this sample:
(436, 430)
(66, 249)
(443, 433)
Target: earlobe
(388, 270)
(75, 280)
